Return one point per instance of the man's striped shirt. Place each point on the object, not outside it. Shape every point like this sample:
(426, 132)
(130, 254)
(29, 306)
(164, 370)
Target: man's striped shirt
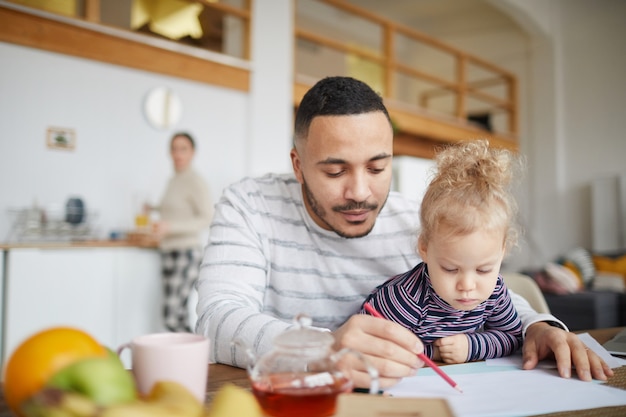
(267, 261)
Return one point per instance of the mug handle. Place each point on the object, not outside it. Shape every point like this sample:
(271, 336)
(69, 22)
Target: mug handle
(121, 348)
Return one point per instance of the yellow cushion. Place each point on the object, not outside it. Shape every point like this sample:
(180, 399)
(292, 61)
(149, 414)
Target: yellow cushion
(615, 265)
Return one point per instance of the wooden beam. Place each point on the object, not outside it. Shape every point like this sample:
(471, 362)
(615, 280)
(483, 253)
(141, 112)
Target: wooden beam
(339, 46)
(299, 90)
(389, 47)
(408, 145)
(513, 114)
(92, 11)
(425, 76)
(56, 36)
(461, 70)
(445, 130)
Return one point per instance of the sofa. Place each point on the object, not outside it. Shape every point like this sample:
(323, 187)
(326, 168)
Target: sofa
(585, 290)
(590, 309)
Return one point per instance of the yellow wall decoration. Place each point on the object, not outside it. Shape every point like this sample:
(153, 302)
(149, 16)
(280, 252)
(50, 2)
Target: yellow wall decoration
(365, 70)
(173, 19)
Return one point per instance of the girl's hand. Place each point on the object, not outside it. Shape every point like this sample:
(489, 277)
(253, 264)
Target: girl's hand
(453, 349)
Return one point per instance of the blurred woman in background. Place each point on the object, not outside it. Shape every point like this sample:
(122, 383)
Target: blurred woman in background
(185, 210)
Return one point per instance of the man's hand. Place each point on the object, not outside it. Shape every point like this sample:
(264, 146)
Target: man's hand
(453, 349)
(543, 340)
(387, 346)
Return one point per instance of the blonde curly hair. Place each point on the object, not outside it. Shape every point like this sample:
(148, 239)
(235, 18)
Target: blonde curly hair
(472, 190)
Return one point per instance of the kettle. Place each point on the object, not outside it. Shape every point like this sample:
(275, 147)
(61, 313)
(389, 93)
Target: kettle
(302, 375)
(74, 211)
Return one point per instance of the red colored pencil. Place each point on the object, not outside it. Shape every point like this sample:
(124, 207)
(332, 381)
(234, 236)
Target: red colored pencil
(423, 357)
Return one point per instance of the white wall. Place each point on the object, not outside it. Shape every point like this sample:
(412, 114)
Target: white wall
(578, 118)
(118, 154)
(411, 176)
(271, 90)
(594, 94)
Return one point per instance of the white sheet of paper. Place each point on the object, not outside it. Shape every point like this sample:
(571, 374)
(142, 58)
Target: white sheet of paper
(512, 393)
(593, 344)
(516, 361)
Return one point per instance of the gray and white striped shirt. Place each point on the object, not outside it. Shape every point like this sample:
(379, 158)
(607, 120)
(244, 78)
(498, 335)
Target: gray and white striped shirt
(267, 261)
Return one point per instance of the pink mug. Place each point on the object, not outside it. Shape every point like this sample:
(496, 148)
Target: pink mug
(180, 357)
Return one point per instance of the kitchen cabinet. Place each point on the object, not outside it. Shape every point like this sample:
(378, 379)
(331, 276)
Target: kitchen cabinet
(113, 293)
(2, 263)
(138, 300)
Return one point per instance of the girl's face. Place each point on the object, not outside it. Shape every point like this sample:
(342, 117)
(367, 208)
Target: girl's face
(182, 153)
(464, 269)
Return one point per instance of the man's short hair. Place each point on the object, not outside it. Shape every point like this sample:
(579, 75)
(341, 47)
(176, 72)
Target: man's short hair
(336, 96)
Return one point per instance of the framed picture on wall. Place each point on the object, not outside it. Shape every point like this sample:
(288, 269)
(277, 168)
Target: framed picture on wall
(61, 138)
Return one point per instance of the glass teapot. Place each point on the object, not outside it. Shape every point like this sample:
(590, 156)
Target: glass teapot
(302, 375)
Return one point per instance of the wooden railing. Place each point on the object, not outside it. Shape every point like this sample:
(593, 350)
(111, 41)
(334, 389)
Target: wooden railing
(477, 86)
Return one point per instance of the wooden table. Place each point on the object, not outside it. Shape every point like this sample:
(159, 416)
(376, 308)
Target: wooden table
(221, 374)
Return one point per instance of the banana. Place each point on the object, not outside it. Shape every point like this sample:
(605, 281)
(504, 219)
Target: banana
(167, 399)
(137, 409)
(175, 396)
(232, 400)
(53, 402)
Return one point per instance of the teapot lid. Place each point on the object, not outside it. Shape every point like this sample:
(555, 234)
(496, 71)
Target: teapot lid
(302, 335)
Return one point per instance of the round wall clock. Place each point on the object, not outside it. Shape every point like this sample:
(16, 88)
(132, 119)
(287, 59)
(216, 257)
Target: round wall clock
(162, 108)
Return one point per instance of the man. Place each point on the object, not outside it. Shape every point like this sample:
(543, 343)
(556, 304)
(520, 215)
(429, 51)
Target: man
(319, 241)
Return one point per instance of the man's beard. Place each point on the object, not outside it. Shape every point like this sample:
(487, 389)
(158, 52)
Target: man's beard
(353, 205)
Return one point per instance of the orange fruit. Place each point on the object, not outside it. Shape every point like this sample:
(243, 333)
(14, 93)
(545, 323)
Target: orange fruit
(40, 356)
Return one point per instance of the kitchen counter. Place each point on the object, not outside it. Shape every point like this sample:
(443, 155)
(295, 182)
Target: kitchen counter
(126, 243)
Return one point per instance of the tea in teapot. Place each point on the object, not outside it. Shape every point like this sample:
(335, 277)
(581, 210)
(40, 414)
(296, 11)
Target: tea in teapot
(302, 375)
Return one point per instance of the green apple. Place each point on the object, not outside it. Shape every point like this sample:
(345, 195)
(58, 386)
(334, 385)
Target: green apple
(103, 379)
